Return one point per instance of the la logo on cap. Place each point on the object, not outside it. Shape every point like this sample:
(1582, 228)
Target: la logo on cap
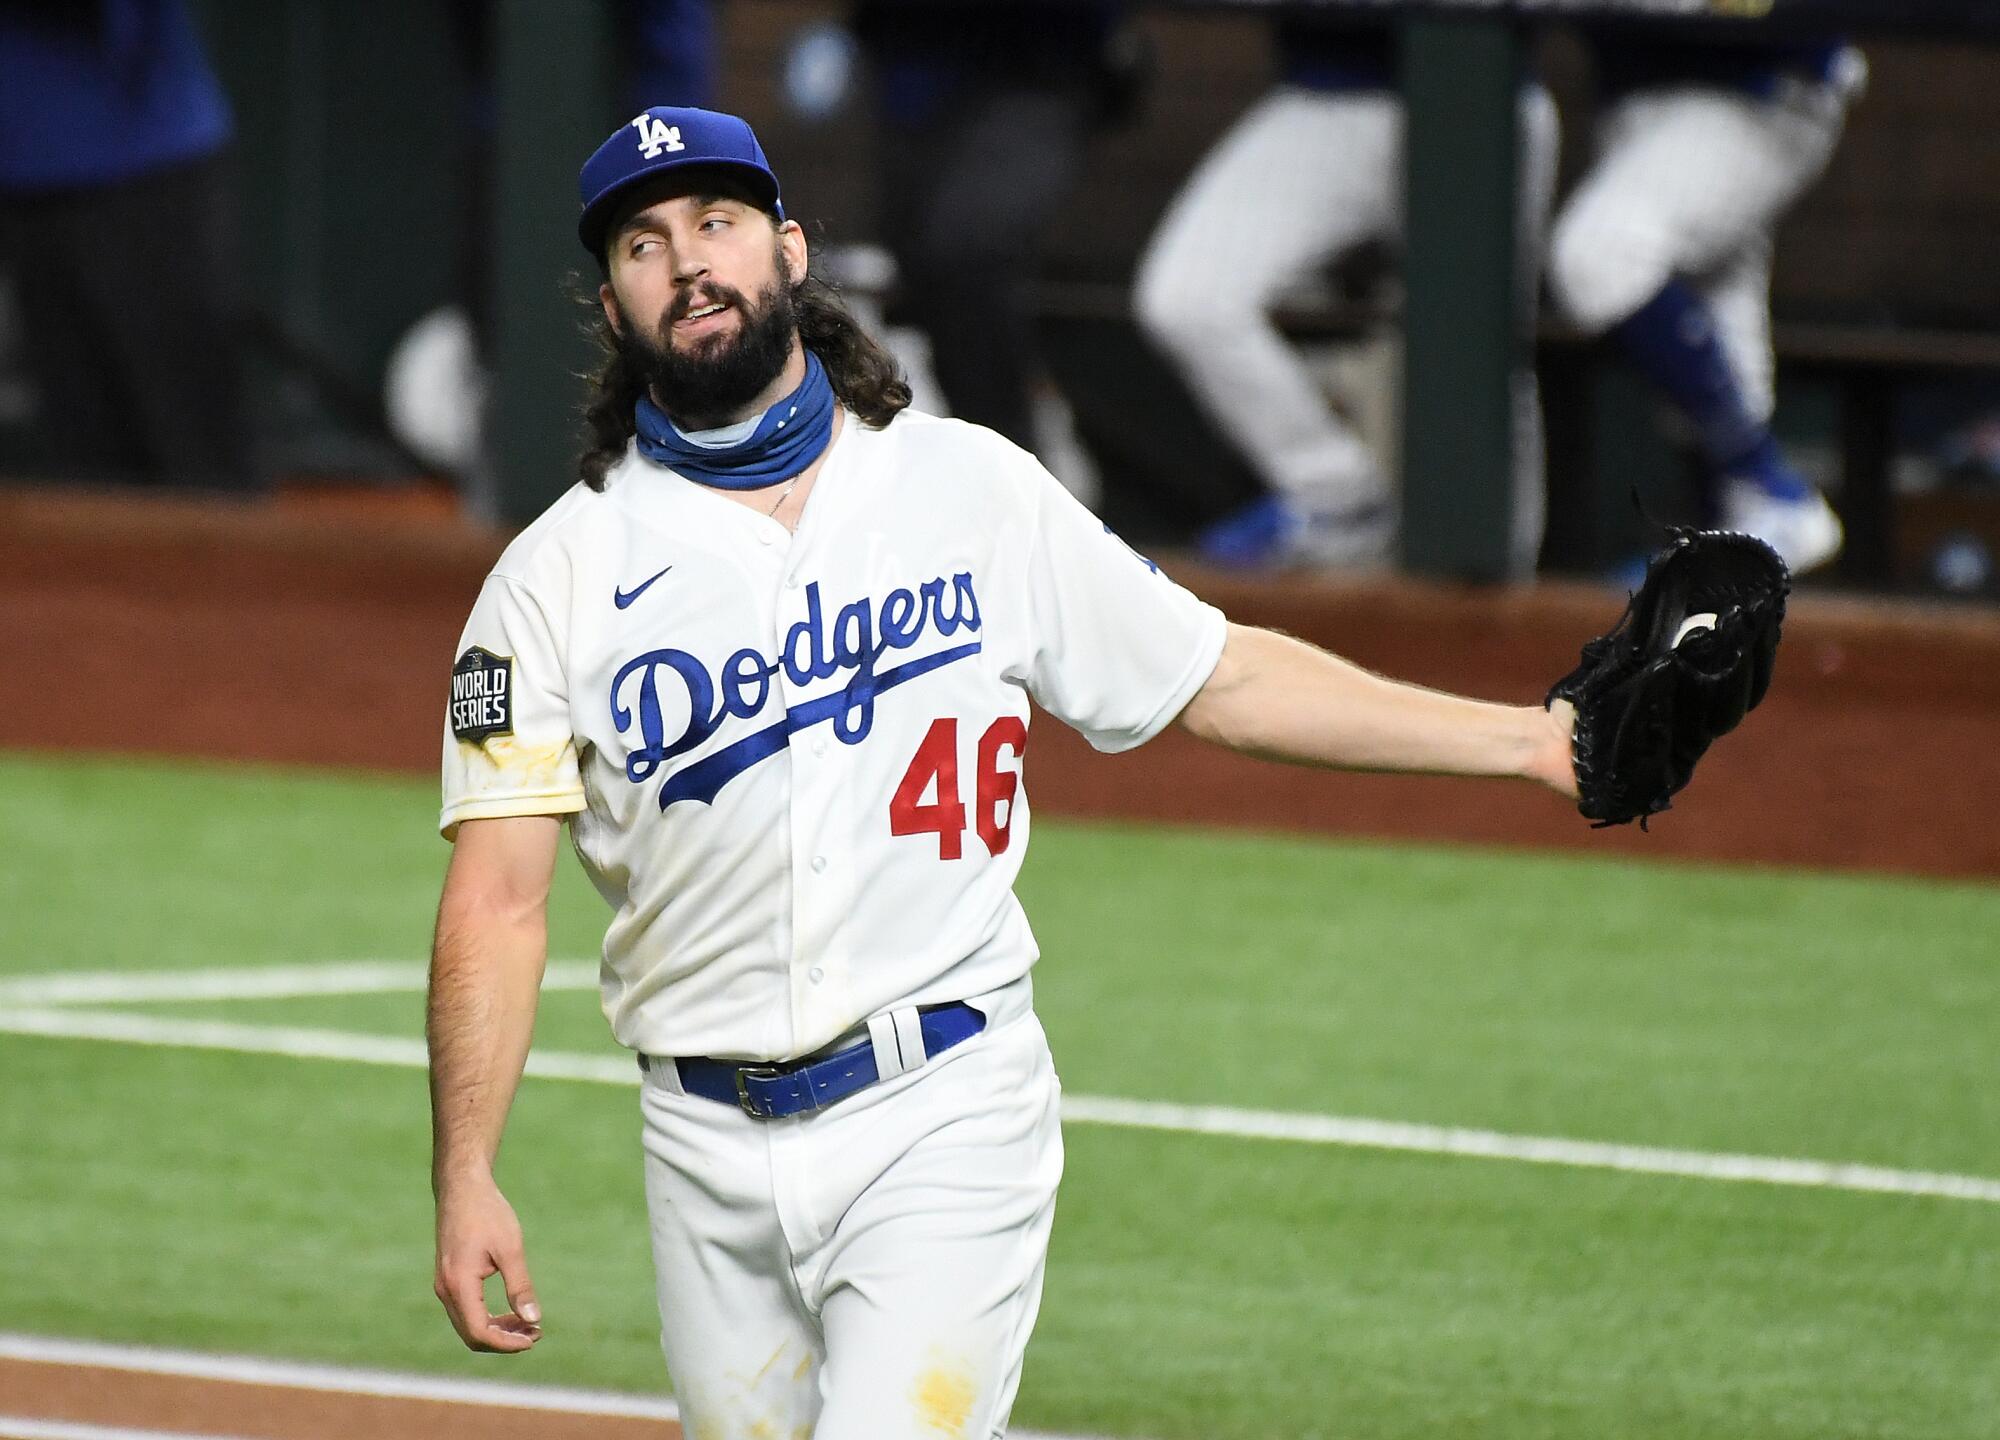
(656, 135)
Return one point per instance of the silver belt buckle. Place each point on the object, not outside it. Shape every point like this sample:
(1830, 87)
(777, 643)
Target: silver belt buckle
(747, 1073)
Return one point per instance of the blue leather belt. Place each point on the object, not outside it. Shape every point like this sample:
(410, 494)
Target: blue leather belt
(768, 1092)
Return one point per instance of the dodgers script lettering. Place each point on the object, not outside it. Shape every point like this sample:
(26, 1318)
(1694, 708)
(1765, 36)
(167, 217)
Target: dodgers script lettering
(853, 643)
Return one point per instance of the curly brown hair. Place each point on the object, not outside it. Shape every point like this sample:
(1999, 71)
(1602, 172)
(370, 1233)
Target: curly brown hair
(864, 376)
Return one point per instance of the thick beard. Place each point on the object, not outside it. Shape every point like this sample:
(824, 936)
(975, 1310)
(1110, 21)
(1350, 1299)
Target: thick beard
(710, 383)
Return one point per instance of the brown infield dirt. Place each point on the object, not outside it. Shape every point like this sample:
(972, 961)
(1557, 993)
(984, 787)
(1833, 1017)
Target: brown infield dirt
(322, 633)
(133, 1400)
(320, 629)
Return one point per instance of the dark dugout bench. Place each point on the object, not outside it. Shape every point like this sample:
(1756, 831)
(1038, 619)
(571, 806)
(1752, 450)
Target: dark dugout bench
(1461, 62)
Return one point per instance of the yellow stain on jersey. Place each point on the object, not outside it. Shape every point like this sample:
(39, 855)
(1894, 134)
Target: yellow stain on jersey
(522, 767)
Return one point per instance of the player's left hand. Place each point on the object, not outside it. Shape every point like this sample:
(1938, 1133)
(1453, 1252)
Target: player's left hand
(1690, 657)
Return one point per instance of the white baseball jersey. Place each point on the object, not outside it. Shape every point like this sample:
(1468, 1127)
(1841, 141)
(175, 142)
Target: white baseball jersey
(793, 761)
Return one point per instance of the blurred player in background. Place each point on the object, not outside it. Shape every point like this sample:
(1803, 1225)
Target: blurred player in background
(117, 229)
(1313, 171)
(987, 109)
(1703, 144)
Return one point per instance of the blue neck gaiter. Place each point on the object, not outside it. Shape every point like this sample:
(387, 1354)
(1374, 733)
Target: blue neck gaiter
(790, 437)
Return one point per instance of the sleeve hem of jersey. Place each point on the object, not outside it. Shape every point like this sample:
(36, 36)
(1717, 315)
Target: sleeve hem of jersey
(545, 802)
(1206, 656)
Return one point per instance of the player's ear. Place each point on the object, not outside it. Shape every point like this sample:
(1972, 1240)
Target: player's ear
(792, 241)
(613, 316)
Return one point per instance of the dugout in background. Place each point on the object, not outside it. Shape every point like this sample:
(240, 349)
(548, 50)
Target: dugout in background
(353, 177)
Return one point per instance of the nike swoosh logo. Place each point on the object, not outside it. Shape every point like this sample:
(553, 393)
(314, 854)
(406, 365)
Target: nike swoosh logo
(622, 598)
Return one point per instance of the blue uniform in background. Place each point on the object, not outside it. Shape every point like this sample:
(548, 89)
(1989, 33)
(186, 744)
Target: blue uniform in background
(116, 233)
(91, 94)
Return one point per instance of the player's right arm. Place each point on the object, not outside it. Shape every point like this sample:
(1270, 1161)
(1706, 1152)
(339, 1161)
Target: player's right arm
(486, 974)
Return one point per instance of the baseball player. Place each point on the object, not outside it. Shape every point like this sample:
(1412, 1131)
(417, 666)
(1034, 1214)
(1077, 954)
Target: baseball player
(1312, 172)
(771, 661)
(1702, 145)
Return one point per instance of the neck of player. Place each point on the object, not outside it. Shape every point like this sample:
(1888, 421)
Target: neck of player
(764, 455)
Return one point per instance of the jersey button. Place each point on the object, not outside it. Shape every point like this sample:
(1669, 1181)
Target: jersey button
(815, 974)
(819, 864)
(792, 582)
(765, 537)
(819, 746)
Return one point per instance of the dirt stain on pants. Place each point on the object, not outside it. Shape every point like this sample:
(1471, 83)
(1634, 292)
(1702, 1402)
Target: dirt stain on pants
(943, 1399)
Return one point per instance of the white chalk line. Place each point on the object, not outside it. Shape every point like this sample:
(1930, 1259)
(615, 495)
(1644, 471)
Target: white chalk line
(1216, 1120)
(300, 1375)
(340, 1379)
(298, 1042)
(53, 1018)
(252, 982)
(1530, 1149)
(21, 1427)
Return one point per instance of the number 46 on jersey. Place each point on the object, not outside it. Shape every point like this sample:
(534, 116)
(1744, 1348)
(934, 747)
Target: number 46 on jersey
(933, 773)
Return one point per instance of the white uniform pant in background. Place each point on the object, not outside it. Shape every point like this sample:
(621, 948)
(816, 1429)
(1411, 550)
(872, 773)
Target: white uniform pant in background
(869, 1272)
(1304, 177)
(1691, 181)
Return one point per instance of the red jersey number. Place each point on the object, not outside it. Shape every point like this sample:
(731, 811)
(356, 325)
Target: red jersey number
(933, 772)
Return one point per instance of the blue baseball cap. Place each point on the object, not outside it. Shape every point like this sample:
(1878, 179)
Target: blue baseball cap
(663, 139)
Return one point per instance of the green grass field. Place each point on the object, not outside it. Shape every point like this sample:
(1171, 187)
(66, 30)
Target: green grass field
(1200, 1285)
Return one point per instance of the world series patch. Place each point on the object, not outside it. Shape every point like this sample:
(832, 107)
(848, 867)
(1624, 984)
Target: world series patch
(482, 695)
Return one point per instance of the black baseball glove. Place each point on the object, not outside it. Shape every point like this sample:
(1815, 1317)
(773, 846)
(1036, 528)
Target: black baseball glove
(1691, 656)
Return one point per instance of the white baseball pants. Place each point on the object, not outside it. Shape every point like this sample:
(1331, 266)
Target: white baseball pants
(1691, 181)
(869, 1272)
(1302, 178)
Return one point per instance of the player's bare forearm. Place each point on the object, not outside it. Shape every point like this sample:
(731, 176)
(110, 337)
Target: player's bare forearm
(486, 973)
(1282, 699)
